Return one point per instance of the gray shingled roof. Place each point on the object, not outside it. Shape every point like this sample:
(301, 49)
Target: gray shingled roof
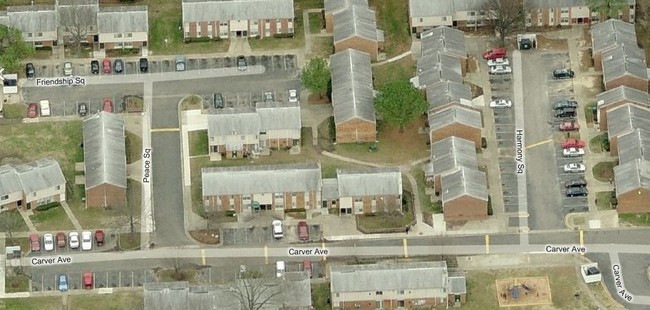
(622, 93)
(611, 33)
(442, 93)
(123, 19)
(9, 182)
(209, 297)
(355, 21)
(278, 115)
(464, 182)
(104, 150)
(452, 152)
(634, 145)
(453, 115)
(224, 10)
(436, 66)
(67, 8)
(369, 182)
(352, 93)
(448, 40)
(626, 118)
(624, 60)
(32, 19)
(330, 189)
(457, 285)
(631, 176)
(426, 8)
(294, 178)
(166, 296)
(296, 290)
(41, 174)
(388, 277)
(331, 6)
(78, 2)
(233, 121)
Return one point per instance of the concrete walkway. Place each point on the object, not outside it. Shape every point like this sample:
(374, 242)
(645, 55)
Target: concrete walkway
(71, 215)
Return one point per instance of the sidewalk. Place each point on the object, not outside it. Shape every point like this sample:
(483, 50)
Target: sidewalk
(71, 215)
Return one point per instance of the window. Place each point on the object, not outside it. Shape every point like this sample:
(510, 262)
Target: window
(246, 197)
(379, 293)
(358, 200)
(482, 13)
(129, 35)
(223, 24)
(5, 197)
(565, 10)
(472, 13)
(401, 293)
(279, 195)
(117, 35)
(29, 35)
(34, 194)
(421, 19)
(444, 18)
(40, 34)
(58, 187)
(400, 303)
(632, 7)
(564, 20)
(268, 21)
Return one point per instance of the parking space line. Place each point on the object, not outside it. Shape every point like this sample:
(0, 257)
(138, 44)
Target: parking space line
(538, 144)
(487, 244)
(266, 254)
(164, 129)
(323, 247)
(582, 241)
(203, 257)
(406, 248)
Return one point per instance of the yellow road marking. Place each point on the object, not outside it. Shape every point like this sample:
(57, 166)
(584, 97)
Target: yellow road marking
(266, 254)
(203, 257)
(406, 247)
(582, 241)
(323, 246)
(538, 143)
(487, 244)
(165, 129)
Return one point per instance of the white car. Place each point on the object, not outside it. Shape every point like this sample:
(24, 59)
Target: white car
(574, 168)
(279, 268)
(573, 152)
(48, 242)
(86, 241)
(67, 68)
(277, 229)
(293, 95)
(498, 62)
(500, 70)
(73, 239)
(501, 104)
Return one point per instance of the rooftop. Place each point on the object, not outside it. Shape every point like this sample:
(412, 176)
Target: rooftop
(464, 182)
(626, 118)
(363, 182)
(226, 10)
(387, 277)
(104, 150)
(352, 92)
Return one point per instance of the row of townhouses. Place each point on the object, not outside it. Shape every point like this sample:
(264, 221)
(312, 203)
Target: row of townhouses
(455, 126)
(31, 184)
(623, 110)
(427, 14)
(353, 25)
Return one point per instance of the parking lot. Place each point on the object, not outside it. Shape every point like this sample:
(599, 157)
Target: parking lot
(109, 243)
(102, 279)
(263, 235)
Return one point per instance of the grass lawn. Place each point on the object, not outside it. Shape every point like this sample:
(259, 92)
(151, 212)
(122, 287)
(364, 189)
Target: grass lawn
(121, 300)
(599, 143)
(425, 200)
(14, 111)
(320, 293)
(52, 219)
(17, 223)
(316, 22)
(384, 221)
(392, 18)
(298, 40)
(604, 171)
(40, 303)
(643, 26)
(635, 219)
(129, 241)
(307, 4)
(15, 284)
(603, 200)
(482, 294)
(402, 69)
(198, 142)
(133, 147)
(322, 46)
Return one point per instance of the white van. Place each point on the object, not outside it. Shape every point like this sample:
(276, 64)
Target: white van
(277, 229)
(45, 107)
(279, 268)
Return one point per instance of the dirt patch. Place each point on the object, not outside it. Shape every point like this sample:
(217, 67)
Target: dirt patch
(475, 89)
(586, 61)
(205, 236)
(472, 64)
(551, 44)
(317, 99)
(517, 292)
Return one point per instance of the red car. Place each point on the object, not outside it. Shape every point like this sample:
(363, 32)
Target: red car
(303, 231)
(35, 242)
(60, 240)
(32, 110)
(495, 53)
(573, 143)
(99, 237)
(106, 66)
(87, 279)
(107, 105)
(569, 126)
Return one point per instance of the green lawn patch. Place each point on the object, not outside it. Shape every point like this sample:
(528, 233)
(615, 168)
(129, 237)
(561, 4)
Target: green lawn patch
(116, 300)
(380, 221)
(425, 200)
(42, 303)
(599, 143)
(604, 171)
(17, 283)
(129, 241)
(635, 219)
(133, 147)
(12, 221)
(52, 219)
(11, 111)
(316, 22)
(307, 4)
(322, 46)
(392, 18)
(402, 69)
(320, 295)
(198, 142)
(604, 200)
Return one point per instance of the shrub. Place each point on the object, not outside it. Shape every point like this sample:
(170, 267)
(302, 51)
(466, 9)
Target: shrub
(48, 206)
(332, 129)
(295, 210)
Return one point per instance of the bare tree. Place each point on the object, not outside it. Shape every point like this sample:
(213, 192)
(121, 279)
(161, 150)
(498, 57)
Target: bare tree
(505, 17)
(254, 291)
(10, 221)
(77, 21)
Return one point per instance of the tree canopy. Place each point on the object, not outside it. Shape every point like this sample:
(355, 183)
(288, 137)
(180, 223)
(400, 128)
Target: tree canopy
(505, 17)
(399, 103)
(316, 76)
(607, 8)
(12, 49)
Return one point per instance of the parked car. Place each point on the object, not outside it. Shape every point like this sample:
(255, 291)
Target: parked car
(496, 70)
(525, 44)
(576, 191)
(30, 72)
(563, 74)
(573, 152)
(565, 103)
(94, 66)
(45, 107)
(73, 239)
(106, 66)
(279, 268)
(35, 242)
(60, 240)
(303, 231)
(572, 143)
(180, 63)
(579, 182)
(495, 53)
(268, 96)
(144, 65)
(48, 242)
(63, 283)
(293, 95)
(32, 110)
(566, 112)
(498, 62)
(306, 266)
(99, 237)
(241, 63)
(118, 66)
(217, 101)
(277, 229)
(87, 280)
(107, 105)
(67, 68)
(86, 241)
(569, 126)
(574, 168)
(501, 104)
(82, 108)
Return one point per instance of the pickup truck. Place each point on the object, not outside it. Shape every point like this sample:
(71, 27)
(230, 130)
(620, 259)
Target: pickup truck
(573, 143)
